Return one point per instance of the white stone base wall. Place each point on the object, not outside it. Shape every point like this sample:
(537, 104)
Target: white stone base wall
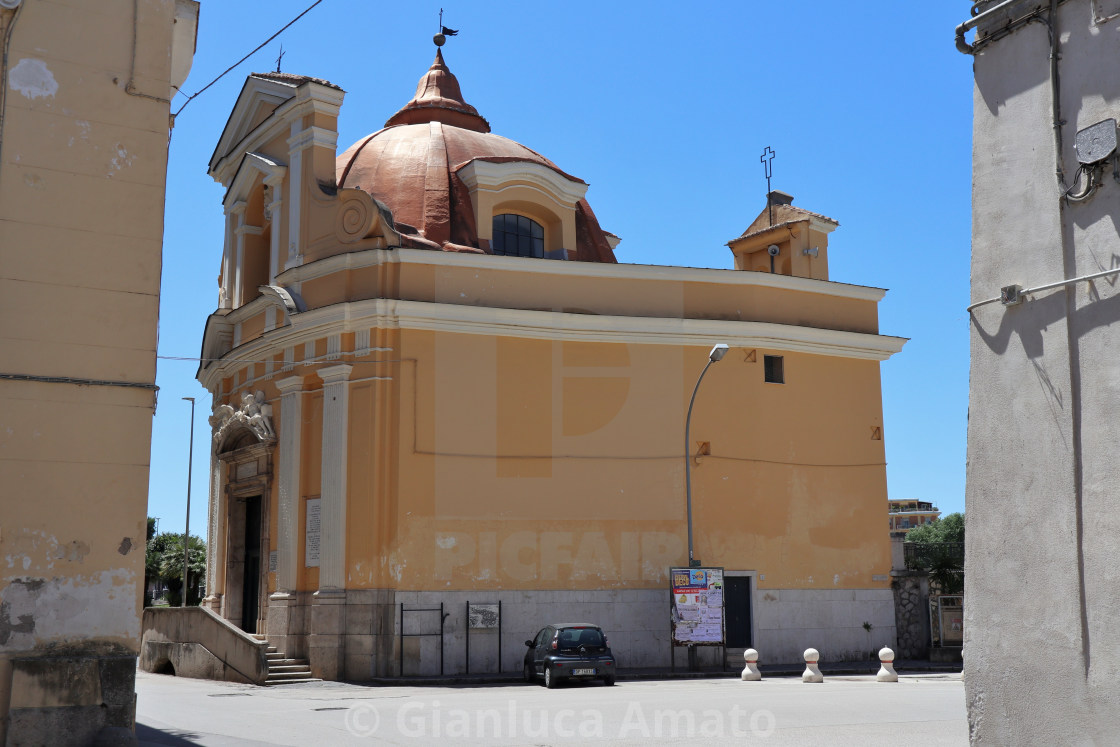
(636, 621)
(788, 621)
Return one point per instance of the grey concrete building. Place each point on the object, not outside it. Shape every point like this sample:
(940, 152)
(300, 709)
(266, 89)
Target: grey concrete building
(1042, 646)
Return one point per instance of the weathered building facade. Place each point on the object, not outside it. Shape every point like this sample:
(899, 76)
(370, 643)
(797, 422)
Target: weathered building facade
(434, 384)
(84, 90)
(1041, 646)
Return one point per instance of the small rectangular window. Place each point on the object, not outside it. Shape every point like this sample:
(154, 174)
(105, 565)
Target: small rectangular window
(775, 370)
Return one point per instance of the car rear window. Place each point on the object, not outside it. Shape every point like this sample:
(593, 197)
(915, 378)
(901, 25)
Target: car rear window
(576, 637)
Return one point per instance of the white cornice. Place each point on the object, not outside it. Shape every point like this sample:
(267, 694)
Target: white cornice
(493, 177)
(250, 310)
(313, 136)
(824, 226)
(548, 325)
(740, 278)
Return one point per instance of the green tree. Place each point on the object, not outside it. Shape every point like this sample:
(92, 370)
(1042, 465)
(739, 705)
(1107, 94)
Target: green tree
(949, 528)
(942, 557)
(164, 560)
(153, 553)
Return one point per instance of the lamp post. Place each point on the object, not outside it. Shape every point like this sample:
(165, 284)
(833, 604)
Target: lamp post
(714, 356)
(187, 530)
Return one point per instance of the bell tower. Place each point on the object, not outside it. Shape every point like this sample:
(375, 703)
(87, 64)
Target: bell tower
(785, 240)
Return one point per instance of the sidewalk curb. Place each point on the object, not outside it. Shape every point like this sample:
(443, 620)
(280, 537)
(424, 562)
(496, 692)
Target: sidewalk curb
(773, 670)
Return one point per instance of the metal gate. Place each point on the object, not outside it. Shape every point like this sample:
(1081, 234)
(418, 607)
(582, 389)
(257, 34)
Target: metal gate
(403, 635)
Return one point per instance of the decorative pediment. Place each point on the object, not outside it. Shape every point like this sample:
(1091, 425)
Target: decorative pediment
(254, 415)
(264, 101)
(257, 95)
(252, 167)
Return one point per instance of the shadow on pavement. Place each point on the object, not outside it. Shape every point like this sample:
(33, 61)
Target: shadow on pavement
(150, 735)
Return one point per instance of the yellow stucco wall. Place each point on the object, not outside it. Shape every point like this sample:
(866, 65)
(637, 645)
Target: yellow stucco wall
(539, 463)
(500, 462)
(82, 176)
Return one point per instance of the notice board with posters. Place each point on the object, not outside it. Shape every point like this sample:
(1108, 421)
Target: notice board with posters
(697, 606)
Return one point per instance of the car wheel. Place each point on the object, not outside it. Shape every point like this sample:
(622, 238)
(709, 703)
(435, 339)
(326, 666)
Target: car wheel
(529, 673)
(608, 681)
(550, 680)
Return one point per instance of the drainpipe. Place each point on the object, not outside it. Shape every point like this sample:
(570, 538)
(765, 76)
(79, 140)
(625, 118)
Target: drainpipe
(964, 47)
(1055, 87)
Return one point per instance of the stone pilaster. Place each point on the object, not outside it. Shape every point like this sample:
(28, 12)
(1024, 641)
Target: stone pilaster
(225, 290)
(282, 603)
(216, 539)
(295, 198)
(336, 415)
(275, 197)
(328, 606)
(291, 420)
(237, 254)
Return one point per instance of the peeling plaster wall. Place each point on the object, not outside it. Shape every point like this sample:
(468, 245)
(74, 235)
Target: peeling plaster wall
(83, 166)
(37, 612)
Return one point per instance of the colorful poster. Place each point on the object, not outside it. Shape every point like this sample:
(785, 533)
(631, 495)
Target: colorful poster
(697, 606)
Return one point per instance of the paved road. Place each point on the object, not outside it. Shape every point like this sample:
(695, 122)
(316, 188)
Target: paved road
(926, 710)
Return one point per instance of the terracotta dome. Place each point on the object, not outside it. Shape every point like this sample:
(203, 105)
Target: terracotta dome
(410, 166)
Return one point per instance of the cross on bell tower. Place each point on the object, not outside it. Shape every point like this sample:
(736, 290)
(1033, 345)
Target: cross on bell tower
(768, 167)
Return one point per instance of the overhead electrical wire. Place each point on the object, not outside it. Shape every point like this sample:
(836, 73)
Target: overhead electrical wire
(229, 69)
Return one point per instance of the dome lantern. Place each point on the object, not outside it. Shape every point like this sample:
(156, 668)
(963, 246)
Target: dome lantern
(439, 99)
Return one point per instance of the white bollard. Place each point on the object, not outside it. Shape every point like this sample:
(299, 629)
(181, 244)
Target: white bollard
(750, 671)
(886, 672)
(812, 671)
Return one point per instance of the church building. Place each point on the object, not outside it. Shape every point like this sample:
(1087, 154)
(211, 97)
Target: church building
(435, 390)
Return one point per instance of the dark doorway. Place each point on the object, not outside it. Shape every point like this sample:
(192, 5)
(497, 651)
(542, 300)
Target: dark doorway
(250, 591)
(737, 609)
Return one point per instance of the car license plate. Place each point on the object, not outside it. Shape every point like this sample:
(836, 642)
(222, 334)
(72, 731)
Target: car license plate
(578, 672)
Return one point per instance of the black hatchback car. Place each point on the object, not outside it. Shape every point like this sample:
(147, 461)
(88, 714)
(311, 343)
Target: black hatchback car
(576, 651)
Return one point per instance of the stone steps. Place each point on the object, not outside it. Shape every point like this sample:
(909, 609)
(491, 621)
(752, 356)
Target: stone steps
(283, 670)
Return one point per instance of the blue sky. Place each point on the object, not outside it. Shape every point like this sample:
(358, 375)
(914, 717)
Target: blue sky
(664, 108)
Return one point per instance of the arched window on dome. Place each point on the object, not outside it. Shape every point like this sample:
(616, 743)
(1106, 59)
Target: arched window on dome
(517, 236)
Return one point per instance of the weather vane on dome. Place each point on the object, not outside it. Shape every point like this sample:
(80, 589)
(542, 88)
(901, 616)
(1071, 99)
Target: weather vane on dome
(768, 167)
(441, 38)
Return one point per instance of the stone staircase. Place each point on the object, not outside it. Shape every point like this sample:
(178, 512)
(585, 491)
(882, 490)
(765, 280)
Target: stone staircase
(285, 671)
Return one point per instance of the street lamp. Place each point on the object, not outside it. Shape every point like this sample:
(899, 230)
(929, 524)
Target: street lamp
(715, 355)
(187, 530)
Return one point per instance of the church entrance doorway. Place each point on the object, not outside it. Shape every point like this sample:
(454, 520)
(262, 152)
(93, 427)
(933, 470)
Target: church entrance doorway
(250, 590)
(244, 603)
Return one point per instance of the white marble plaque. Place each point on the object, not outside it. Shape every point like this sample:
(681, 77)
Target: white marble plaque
(311, 551)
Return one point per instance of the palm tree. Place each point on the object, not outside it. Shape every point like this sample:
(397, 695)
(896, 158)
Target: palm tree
(165, 560)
